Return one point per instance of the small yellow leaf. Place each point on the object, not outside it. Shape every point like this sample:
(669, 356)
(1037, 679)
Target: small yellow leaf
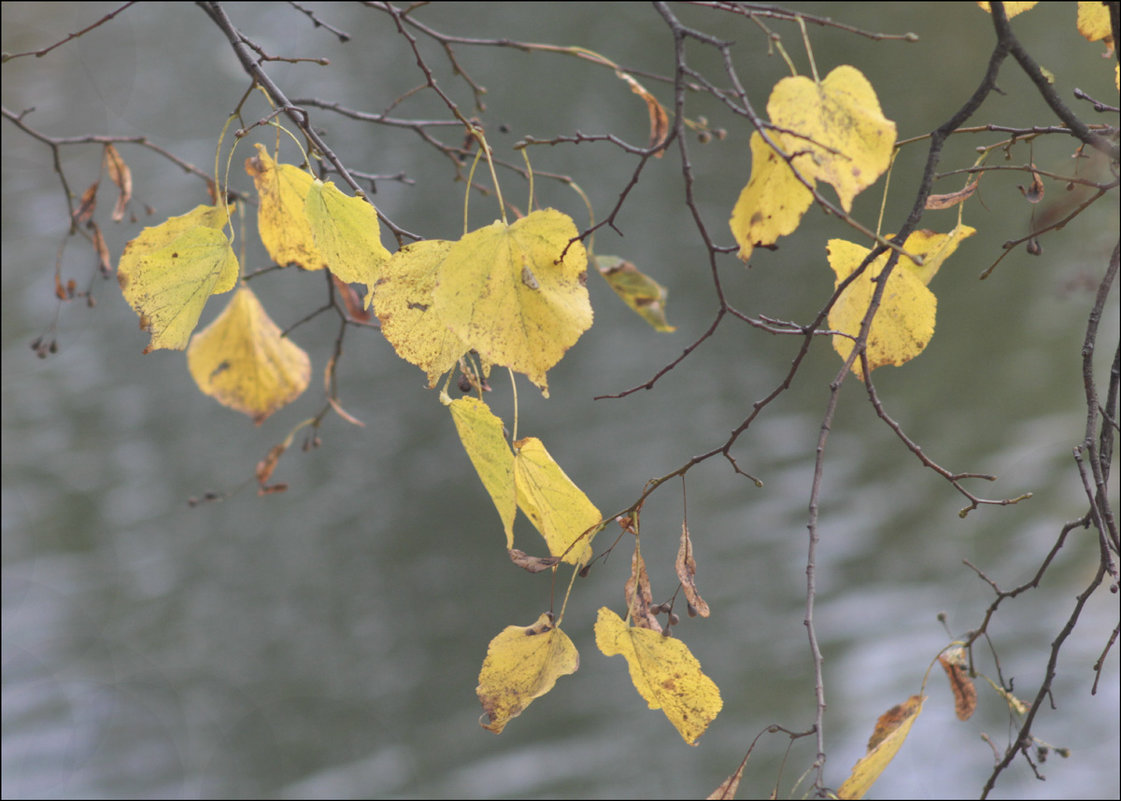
(904, 322)
(1011, 9)
(557, 507)
(168, 272)
(346, 233)
(665, 673)
(772, 203)
(480, 431)
(643, 294)
(403, 304)
(506, 292)
(522, 663)
(891, 730)
(243, 362)
(282, 216)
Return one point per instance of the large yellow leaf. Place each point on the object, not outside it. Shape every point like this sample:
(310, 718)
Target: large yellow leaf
(505, 291)
(281, 216)
(243, 362)
(841, 137)
(664, 672)
(403, 304)
(557, 507)
(904, 322)
(346, 233)
(523, 663)
(1011, 9)
(891, 730)
(167, 273)
(480, 431)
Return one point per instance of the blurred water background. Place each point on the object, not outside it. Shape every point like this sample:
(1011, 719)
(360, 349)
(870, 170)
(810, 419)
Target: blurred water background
(326, 641)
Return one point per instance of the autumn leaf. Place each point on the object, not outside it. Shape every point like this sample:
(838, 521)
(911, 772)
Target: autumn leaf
(665, 673)
(834, 131)
(639, 595)
(686, 566)
(169, 271)
(643, 294)
(506, 292)
(961, 685)
(480, 431)
(659, 119)
(904, 322)
(243, 362)
(559, 509)
(891, 730)
(403, 304)
(281, 216)
(121, 176)
(522, 664)
(1010, 9)
(346, 233)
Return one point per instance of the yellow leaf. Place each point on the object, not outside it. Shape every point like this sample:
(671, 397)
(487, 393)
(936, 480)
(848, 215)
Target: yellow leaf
(480, 431)
(523, 663)
(346, 233)
(242, 361)
(904, 322)
(167, 273)
(556, 506)
(403, 304)
(664, 672)
(505, 291)
(891, 730)
(772, 203)
(841, 137)
(282, 216)
(1010, 9)
(642, 293)
(1093, 23)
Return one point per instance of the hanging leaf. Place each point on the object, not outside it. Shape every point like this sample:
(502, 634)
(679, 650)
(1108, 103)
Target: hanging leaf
(664, 672)
(346, 233)
(556, 507)
(480, 431)
(169, 271)
(686, 567)
(242, 361)
(403, 304)
(891, 730)
(659, 119)
(840, 136)
(121, 176)
(643, 294)
(281, 215)
(507, 293)
(904, 322)
(639, 596)
(961, 685)
(522, 664)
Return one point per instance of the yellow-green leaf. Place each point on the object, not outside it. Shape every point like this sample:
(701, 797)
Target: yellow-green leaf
(840, 136)
(346, 233)
(664, 672)
(891, 730)
(507, 293)
(904, 322)
(282, 216)
(522, 663)
(643, 294)
(167, 273)
(242, 361)
(556, 506)
(403, 304)
(480, 431)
